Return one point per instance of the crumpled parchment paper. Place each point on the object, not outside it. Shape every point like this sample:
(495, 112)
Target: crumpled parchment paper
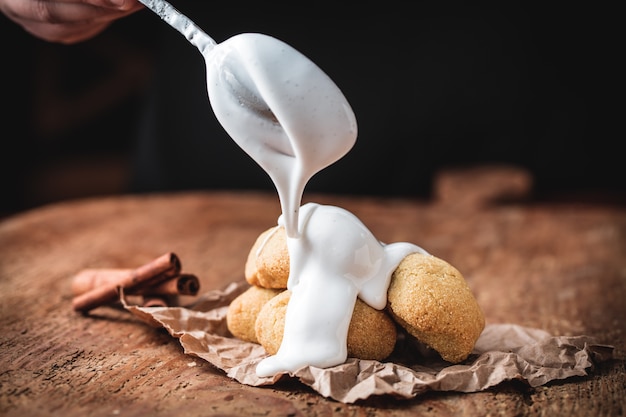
(502, 352)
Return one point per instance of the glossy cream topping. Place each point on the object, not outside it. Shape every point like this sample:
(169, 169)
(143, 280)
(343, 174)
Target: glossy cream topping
(334, 260)
(294, 121)
(290, 117)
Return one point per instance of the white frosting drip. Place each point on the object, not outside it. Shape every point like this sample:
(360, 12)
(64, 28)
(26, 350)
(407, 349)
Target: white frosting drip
(294, 121)
(334, 260)
(290, 117)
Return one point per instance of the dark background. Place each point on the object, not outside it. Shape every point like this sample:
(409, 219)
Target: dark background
(432, 86)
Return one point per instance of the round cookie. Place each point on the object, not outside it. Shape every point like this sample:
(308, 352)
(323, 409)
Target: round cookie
(267, 265)
(371, 335)
(243, 310)
(431, 300)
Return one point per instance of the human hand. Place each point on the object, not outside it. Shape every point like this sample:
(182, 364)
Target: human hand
(66, 21)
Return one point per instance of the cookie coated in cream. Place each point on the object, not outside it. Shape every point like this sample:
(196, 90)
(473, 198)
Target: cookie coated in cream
(334, 260)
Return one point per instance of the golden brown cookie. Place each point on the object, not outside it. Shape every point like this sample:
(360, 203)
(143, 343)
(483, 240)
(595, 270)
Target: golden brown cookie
(267, 265)
(431, 300)
(243, 311)
(371, 335)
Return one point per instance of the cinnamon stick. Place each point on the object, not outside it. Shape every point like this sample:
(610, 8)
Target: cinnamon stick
(155, 301)
(154, 272)
(91, 278)
(183, 284)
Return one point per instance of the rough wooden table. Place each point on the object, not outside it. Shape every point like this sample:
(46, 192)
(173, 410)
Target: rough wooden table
(559, 267)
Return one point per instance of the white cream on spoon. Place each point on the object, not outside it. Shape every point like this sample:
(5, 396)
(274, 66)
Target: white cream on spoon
(275, 103)
(290, 117)
(284, 111)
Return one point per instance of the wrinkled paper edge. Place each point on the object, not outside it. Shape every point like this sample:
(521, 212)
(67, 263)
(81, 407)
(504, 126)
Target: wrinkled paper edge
(503, 352)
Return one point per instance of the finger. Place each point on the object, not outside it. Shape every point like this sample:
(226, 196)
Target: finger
(64, 11)
(66, 34)
(114, 4)
(63, 22)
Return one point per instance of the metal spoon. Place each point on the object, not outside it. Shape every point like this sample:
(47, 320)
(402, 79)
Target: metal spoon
(181, 23)
(275, 103)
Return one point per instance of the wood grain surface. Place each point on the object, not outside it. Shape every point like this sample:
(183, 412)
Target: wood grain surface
(559, 267)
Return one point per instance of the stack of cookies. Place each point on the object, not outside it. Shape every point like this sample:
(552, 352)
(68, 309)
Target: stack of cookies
(427, 297)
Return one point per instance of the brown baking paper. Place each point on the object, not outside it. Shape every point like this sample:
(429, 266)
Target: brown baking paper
(503, 352)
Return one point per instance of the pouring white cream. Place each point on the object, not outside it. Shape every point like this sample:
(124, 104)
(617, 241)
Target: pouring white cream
(293, 120)
(281, 109)
(290, 117)
(335, 260)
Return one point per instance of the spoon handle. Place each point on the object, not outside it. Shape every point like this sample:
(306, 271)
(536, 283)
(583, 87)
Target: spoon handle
(181, 23)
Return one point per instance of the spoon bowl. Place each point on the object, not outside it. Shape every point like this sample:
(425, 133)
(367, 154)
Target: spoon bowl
(275, 103)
